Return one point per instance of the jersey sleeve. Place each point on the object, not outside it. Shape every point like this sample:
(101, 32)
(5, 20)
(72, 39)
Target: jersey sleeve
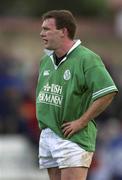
(98, 79)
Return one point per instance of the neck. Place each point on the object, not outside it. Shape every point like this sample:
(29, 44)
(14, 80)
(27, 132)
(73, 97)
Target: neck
(65, 47)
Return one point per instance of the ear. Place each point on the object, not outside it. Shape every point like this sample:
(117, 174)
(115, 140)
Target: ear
(64, 32)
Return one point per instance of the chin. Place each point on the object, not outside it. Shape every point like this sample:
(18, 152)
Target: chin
(49, 48)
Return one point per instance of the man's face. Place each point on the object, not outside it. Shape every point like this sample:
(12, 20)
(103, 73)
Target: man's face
(51, 36)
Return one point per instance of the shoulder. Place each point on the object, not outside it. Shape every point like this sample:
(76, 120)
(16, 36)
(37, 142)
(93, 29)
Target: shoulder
(86, 53)
(89, 58)
(44, 60)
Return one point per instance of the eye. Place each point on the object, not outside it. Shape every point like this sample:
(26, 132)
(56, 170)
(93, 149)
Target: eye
(45, 29)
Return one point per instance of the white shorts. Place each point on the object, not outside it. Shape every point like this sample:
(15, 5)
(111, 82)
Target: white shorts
(57, 152)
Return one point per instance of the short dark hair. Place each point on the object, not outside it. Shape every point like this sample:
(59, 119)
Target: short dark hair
(63, 18)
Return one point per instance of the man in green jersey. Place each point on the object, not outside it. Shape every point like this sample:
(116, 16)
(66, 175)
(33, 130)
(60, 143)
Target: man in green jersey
(73, 88)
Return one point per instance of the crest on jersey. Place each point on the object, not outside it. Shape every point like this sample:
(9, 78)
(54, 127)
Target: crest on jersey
(67, 74)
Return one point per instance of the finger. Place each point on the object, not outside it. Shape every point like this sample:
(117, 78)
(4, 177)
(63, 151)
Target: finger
(70, 134)
(65, 124)
(67, 132)
(65, 128)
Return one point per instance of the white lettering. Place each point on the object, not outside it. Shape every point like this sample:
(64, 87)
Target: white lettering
(50, 99)
(56, 89)
(51, 94)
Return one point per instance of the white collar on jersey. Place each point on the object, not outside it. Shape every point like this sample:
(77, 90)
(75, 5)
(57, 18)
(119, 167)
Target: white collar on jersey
(50, 53)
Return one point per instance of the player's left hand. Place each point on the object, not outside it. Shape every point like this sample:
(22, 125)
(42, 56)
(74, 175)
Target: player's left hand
(69, 128)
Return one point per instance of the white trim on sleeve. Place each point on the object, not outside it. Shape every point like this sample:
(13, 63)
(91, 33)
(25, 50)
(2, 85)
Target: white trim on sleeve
(102, 91)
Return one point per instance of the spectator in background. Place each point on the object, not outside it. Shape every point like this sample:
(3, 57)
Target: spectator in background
(29, 125)
(17, 108)
(109, 155)
(9, 95)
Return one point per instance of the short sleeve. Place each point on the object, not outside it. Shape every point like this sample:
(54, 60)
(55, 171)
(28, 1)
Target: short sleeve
(98, 79)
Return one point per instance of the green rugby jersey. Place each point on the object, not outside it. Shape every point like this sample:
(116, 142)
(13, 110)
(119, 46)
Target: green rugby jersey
(65, 92)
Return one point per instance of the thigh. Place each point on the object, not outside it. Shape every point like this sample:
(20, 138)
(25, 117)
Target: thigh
(45, 157)
(54, 173)
(75, 173)
(68, 154)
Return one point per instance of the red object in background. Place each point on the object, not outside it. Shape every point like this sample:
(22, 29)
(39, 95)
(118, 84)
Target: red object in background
(28, 112)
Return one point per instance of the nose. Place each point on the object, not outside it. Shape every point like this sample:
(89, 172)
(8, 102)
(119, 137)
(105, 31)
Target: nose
(41, 34)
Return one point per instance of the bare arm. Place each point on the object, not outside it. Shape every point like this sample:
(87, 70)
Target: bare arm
(96, 108)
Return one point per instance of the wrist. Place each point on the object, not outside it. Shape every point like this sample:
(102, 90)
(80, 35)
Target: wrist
(83, 122)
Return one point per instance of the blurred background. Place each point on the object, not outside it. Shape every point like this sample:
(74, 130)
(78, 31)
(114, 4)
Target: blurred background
(100, 29)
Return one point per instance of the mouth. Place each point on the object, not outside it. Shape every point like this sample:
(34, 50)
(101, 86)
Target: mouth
(45, 41)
